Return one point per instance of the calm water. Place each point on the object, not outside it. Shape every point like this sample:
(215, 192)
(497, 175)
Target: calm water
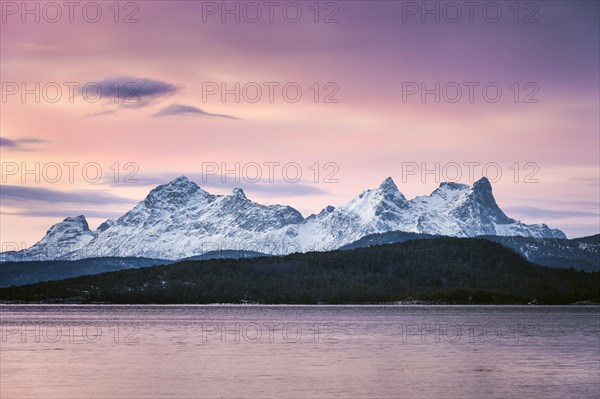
(51, 351)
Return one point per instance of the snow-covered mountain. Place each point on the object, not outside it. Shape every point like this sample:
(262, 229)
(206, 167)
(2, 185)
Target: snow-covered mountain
(68, 236)
(179, 219)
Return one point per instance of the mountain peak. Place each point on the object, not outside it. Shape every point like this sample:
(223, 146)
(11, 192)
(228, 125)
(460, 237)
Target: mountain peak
(453, 185)
(480, 201)
(388, 185)
(448, 190)
(77, 220)
(238, 193)
(69, 235)
(181, 180)
(482, 184)
(389, 192)
(177, 191)
(481, 192)
(327, 210)
(181, 183)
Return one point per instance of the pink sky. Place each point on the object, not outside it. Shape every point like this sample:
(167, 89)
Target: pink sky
(370, 133)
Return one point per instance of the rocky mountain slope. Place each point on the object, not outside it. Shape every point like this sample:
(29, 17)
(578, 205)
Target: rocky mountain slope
(179, 219)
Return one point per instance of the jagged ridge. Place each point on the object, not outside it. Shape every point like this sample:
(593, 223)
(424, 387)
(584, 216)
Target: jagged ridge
(179, 219)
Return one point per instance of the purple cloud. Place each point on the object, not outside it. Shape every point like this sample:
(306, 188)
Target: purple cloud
(180, 109)
(531, 211)
(128, 91)
(19, 144)
(60, 213)
(23, 196)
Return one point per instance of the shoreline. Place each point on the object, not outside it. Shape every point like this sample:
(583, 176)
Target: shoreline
(390, 304)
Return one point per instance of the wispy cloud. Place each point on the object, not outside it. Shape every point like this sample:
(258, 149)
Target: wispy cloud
(278, 187)
(19, 144)
(180, 109)
(128, 91)
(62, 213)
(102, 113)
(21, 196)
(532, 211)
(570, 204)
(593, 181)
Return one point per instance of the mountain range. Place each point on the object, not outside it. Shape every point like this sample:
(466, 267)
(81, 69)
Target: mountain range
(179, 220)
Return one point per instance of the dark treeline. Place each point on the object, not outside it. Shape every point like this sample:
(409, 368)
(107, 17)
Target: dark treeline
(21, 273)
(442, 270)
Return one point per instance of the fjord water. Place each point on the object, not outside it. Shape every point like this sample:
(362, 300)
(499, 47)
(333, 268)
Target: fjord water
(247, 351)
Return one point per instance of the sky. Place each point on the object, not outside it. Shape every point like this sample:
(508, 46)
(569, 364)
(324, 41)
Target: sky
(299, 103)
